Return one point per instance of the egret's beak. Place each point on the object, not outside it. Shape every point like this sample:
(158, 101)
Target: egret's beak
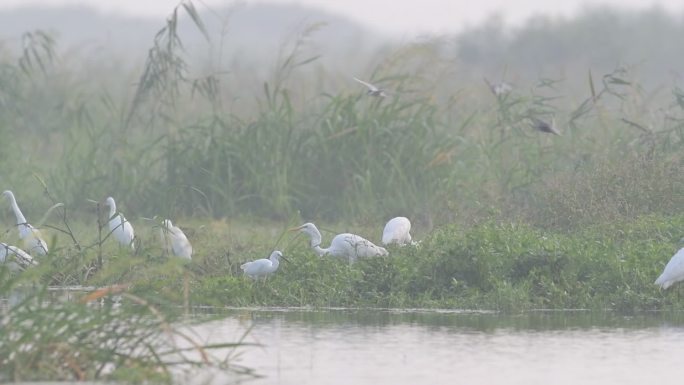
(296, 228)
(285, 259)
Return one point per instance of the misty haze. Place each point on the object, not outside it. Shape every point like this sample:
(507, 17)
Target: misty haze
(273, 193)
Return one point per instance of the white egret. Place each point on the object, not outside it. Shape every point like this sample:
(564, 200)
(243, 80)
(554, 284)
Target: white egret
(29, 235)
(262, 267)
(15, 258)
(119, 226)
(397, 231)
(174, 240)
(674, 271)
(372, 89)
(345, 245)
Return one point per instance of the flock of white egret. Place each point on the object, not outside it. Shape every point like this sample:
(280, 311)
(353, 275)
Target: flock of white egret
(173, 239)
(345, 245)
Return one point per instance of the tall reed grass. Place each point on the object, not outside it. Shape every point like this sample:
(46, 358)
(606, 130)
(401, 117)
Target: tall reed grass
(429, 151)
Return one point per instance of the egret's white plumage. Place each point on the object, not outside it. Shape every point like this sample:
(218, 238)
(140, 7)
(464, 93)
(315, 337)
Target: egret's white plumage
(175, 240)
(345, 245)
(397, 231)
(29, 235)
(119, 226)
(262, 267)
(15, 258)
(674, 271)
(372, 89)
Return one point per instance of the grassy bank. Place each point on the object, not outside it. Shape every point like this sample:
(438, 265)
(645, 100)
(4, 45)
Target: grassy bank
(497, 266)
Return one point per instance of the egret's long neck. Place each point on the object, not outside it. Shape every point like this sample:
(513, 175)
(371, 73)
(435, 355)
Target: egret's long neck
(274, 263)
(315, 239)
(112, 209)
(17, 211)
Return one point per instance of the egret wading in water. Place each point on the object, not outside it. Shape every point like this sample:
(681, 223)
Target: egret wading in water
(397, 231)
(120, 228)
(372, 89)
(345, 245)
(262, 267)
(15, 258)
(674, 271)
(29, 235)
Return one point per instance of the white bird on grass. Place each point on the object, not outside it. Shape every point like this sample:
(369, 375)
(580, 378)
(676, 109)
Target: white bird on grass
(397, 231)
(174, 240)
(119, 226)
(372, 89)
(674, 271)
(262, 267)
(345, 245)
(15, 258)
(29, 235)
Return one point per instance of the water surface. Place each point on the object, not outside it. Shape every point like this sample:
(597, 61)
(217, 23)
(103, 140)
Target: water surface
(452, 347)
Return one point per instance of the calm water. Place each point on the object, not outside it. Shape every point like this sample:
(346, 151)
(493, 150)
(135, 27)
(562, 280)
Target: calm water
(385, 347)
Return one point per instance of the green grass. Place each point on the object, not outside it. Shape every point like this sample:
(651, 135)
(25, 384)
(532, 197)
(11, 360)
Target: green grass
(494, 265)
(510, 218)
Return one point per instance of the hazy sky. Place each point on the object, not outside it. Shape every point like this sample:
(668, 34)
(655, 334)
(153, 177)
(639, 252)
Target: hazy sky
(407, 17)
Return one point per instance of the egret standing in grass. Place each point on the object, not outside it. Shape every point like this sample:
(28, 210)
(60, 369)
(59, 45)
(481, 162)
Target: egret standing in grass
(345, 245)
(372, 89)
(15, 258)
(397, 231)
(674, 271)
(174, 240)
(119, 226)
(29, 235)
(262, 267)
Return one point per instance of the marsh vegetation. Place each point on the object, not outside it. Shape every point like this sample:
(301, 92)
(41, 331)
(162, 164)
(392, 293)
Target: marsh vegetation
(509, 218)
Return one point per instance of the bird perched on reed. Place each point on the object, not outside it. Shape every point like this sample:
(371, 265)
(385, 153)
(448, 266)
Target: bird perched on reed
(344, 245)
(30, 236)
(372, 89)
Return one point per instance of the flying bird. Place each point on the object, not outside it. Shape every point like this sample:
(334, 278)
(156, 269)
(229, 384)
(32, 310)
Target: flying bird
(499, 89)
(674, 271)
(344, 245)
(29, 235)
(119, 226)
(262, 267)
(397, 231)
(372, 89)
(543, 126)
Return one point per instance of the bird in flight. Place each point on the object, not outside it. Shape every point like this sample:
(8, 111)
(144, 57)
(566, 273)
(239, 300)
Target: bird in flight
(372, 89)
